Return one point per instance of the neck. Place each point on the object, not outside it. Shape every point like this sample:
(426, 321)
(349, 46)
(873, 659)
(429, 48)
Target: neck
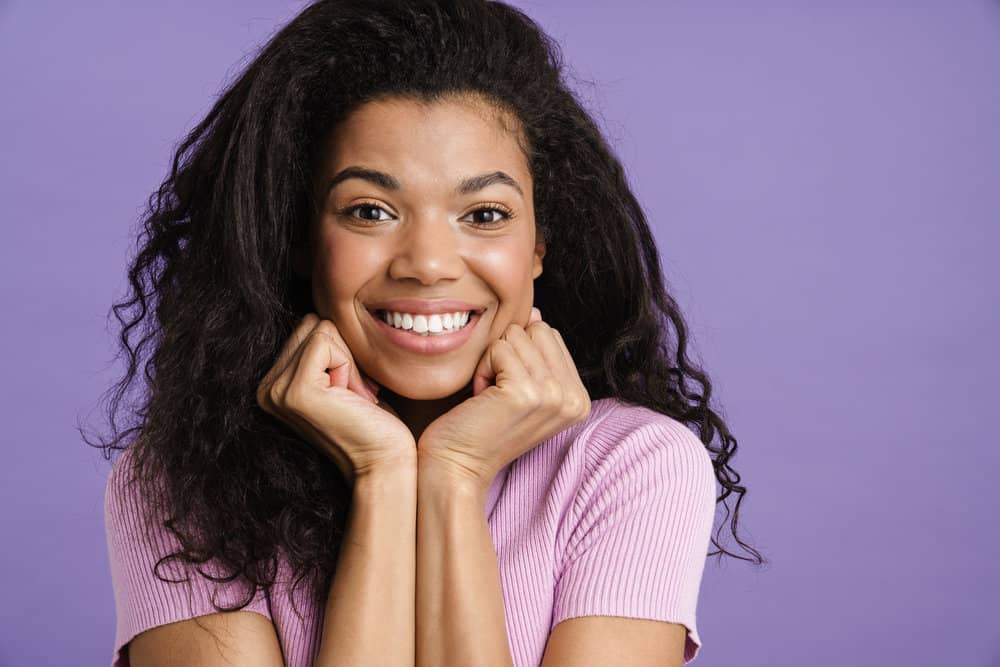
(418, 414)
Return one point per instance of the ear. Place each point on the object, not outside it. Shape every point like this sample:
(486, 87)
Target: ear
(536, 263)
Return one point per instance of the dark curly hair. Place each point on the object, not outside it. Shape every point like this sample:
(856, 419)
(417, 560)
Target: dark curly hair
(214, 295)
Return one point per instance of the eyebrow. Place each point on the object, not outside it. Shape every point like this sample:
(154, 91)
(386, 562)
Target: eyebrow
(387, 182)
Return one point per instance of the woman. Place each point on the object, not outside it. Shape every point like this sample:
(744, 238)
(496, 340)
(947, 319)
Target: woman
(412, 397)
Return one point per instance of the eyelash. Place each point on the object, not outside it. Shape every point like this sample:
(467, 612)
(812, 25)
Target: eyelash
(489, 206)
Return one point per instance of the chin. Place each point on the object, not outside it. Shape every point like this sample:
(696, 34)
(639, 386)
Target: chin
(429, 390)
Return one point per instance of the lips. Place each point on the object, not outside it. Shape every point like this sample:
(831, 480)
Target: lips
(420, 344)
(425, 307)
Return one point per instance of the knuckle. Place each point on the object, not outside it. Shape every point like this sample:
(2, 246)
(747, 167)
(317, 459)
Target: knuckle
(294, 400)
(261, 396)
(270, 399)
(528, 398)
(513, 328)
(575, 405)
(327, 327)
(552, 390)
(277, 395)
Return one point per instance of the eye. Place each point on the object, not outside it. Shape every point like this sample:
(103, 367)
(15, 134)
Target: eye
(494, 209)
(364, 206)
(499, 213)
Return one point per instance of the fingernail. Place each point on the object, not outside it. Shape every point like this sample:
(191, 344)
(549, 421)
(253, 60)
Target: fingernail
(372, 386)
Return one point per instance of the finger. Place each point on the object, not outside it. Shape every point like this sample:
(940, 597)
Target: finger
(500, 363)
(536, 316)
(293, 343)
(549, 343)
(570, 362)
(574, 376)
(355, 380)
(371, 384)
(532, 358)
(575, 398)
(274, 378)
(326, 361)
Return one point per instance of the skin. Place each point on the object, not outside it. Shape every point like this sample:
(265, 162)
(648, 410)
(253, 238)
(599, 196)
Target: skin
(418, 563)
(472, 410)
(422, 241)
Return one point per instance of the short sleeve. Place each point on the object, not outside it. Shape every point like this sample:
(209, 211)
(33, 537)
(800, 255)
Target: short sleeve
(136, 541)
(643, 517)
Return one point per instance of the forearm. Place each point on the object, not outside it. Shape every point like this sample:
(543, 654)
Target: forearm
(369, 617)
(460, 611)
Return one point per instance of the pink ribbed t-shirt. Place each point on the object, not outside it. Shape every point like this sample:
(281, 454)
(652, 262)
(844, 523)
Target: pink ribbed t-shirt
(610, 517)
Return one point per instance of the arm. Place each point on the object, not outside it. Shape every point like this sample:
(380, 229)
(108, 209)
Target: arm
(369, 610)
(460, 612)
(221, 639)
(370, 599)
(628, 584)
(162, 624)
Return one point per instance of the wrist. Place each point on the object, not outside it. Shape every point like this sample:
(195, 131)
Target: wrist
(395, 472)
(442, 473)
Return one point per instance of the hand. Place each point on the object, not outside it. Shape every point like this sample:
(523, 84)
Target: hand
(538, 393)
(316, 388)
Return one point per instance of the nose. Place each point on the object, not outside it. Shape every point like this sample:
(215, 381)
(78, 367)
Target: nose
(428, 250)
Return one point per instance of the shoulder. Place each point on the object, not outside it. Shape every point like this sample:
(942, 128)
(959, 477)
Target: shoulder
(133, 521)
(121, 480)
(618, 435)
(129, 505)
(630, 460)
(635, 525)
(123, 499)
(622, 453)
(152, 589)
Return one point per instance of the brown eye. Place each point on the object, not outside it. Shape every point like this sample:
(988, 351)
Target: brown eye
(367, 210)
(490, 216)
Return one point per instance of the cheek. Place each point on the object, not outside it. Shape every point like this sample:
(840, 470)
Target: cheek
(344, 265)
(507, 267)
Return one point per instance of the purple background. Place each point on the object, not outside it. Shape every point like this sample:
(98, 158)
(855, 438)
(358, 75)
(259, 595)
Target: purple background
(824, 181)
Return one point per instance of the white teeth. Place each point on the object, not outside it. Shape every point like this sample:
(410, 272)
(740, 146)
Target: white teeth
(428, 325)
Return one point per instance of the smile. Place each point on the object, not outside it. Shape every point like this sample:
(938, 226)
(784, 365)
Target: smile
(430, 325)
(426, 334)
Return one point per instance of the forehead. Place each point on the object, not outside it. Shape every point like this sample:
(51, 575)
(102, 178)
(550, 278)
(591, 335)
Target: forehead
(416, 140)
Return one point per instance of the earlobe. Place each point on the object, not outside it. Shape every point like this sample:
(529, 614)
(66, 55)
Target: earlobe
(536, 266)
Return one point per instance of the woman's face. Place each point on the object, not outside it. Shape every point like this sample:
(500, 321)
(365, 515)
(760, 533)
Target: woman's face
(404, 223)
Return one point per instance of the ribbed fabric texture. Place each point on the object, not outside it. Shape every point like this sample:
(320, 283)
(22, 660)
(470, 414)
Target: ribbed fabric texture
(609, 517)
